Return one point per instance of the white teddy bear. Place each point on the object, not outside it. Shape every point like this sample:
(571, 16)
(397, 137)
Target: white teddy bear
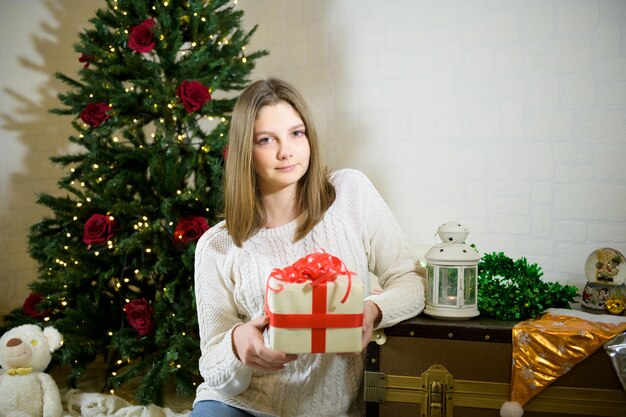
(25, 389)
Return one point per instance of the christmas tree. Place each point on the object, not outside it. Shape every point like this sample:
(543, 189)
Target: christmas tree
(156, 83)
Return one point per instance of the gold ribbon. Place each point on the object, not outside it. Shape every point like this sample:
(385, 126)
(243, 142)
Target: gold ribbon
(19, 371)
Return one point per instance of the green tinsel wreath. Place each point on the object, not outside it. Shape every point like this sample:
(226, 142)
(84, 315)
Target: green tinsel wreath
(513, 290)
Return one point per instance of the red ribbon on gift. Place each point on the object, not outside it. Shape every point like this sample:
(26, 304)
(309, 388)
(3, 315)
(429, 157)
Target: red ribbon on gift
(317, 269)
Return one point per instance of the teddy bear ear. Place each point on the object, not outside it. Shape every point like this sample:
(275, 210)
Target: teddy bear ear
(53, 337)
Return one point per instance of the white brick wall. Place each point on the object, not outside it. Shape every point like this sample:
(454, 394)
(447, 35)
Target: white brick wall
(509, 116)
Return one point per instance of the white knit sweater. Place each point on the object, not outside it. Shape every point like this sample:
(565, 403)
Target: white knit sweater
(230, 282)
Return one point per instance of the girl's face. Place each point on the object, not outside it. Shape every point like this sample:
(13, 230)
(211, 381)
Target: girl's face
(280, 149)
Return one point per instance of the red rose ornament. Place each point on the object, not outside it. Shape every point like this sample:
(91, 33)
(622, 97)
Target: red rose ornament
(86, 59)
(98, 229)
(189, 229)
(140, 316)
(193, 94)
(141, 37)
(95, 114)
(30, 306)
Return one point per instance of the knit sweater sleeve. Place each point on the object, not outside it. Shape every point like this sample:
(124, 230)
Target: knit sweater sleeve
(222, 371)
(390, 257)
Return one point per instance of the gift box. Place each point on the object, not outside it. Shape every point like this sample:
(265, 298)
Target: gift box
(315, 306)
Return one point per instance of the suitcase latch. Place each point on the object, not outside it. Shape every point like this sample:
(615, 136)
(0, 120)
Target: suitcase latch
(379, 337)
(437, 392)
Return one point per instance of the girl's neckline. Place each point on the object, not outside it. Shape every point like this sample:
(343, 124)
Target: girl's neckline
(279, 230)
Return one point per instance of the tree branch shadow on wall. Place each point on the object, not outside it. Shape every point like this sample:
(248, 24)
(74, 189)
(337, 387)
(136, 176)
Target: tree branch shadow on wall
(41, 135)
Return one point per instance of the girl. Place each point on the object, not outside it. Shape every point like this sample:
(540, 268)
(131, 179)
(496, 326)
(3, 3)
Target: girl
(280, 205)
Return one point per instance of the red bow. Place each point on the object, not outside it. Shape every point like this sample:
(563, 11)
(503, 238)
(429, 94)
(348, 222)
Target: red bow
(318, 267)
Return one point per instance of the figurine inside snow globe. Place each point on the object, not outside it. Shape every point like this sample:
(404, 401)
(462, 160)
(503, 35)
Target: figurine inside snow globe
(605, 269)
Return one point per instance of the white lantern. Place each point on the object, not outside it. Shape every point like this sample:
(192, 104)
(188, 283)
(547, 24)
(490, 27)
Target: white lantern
(452, 291)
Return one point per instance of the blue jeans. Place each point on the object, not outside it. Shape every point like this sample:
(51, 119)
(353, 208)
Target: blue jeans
(216, 409)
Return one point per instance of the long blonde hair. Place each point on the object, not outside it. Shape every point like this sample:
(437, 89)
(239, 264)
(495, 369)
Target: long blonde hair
(244, 211)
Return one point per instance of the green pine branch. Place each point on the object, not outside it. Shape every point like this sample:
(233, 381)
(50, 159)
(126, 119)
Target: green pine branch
(513, 290)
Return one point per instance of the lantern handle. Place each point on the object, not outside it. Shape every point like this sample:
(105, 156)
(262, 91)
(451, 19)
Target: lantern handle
(443, 244)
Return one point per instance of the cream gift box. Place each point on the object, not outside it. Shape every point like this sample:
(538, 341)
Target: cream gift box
(315, 306)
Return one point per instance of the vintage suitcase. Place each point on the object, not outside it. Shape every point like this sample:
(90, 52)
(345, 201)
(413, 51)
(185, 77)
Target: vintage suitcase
(426, 367)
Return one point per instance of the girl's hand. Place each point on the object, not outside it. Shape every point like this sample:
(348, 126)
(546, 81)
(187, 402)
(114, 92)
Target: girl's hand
(250, 349)
(371, 318)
